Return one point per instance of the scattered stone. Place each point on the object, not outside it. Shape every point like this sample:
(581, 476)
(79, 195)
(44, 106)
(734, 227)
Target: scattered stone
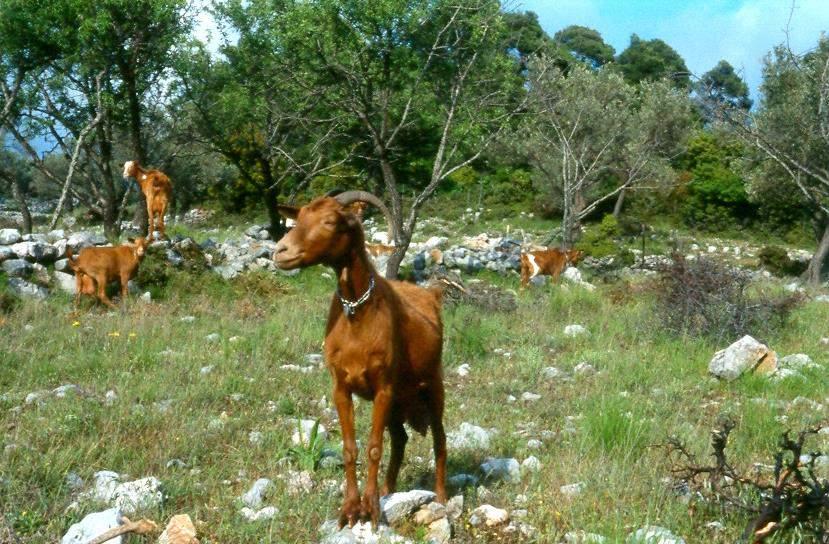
(468, 437)
(205, 370)
(530, 397)
(573, 331)
(488, 515)
(298, 482)
(581, 537)
(188, 319)
(146, 297)
(361, 533)
(26, 289)
(506, 469)
(429, 513)
(268, 512)
(212, 337)
(110, 397)
(653, 535)
(255, 437)
(398, 506)
(17, 268)
(440, 532)
(92, 526)
(797, 361)
(254, 496)
(534, 444)
(73, 481)
(142, 494)
(454, 507)
(784, 374)
(552, 373)
(65, 282)
(106, 482)
(63, 390)
(584, 369)
(463, 370)
(744, 355)
(572, 490)
(9, 237)
(180, 530)
(461, 481)
(315, 359)
(716, 526)
(531, 464)
(35, 396)
(176, 463)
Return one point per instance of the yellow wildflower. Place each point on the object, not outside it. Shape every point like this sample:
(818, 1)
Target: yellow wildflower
(115, 334)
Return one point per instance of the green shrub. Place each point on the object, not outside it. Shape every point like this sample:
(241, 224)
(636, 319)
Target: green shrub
(599, 240)
(154, 271)
(8, 301)
(776, 260)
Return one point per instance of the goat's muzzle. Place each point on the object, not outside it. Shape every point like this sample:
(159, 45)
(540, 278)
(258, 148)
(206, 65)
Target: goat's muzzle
(285, 258)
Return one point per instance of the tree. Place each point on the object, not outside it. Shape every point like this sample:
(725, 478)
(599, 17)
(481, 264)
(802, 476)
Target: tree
(586, 45)
(651, 60)
(429, 83)
(136, 38)
(790, 131)
(103, 59)
(723, 85)
(590, 136)
(249, 107)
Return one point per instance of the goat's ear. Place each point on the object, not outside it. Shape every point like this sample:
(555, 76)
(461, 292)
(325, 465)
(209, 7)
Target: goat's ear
(289, 212)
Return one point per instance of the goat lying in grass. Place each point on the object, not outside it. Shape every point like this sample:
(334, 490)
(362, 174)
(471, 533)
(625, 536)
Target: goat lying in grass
(103, 265)
(383, 342)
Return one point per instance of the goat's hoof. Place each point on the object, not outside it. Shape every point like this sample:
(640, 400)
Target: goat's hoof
(350, 512)
(371, 508)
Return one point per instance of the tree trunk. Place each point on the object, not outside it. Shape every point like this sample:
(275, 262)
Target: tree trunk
(112, 227)
(140, 217)
(620, 201)
(812, 274)
(276, 228)
(20, 197)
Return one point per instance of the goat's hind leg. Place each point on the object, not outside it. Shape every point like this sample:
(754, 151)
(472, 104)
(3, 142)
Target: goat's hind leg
(438, 440)
(398, 446)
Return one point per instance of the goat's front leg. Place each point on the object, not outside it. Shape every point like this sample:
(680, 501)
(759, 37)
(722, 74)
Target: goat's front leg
(379, 420)
(350, 512)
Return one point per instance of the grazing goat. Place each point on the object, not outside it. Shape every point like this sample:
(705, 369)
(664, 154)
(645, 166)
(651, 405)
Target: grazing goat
(157, 189)
(550, 262)
(103, 265)
(383, 342)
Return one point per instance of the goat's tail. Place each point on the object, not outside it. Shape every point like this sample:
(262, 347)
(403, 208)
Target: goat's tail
(72, 264)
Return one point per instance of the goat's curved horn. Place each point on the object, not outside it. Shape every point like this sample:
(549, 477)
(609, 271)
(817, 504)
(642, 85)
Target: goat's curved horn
(349, 197)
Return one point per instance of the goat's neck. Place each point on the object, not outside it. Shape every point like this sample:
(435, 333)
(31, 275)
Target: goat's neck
(354, 274)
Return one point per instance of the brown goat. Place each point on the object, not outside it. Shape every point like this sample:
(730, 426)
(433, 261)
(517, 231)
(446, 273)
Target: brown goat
(103, 265)
(383, 342)
(158, 191)
(550, 262)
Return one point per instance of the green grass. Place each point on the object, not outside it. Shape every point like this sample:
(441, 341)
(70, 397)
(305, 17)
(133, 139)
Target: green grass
(648, 386)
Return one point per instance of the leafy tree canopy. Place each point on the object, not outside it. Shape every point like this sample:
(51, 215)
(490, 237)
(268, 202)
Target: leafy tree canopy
(650, 60)
(725, 86)
(586, 45)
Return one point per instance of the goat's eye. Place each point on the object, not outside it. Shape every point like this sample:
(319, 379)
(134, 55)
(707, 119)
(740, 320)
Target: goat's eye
(331, 222)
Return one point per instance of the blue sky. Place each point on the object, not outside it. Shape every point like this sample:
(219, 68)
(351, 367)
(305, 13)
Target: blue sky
(703, 32)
